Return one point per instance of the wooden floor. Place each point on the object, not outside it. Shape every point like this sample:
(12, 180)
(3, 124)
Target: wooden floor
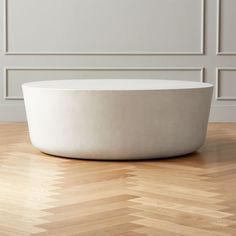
(190, 195)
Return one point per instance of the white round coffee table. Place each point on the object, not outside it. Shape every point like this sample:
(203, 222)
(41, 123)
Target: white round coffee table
(117, 119)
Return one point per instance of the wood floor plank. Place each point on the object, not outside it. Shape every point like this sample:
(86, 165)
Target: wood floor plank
(44, 195)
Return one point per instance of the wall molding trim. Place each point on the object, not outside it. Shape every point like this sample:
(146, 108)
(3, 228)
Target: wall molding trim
(201, 52)
(218, 32)
(6, 69)
(218, 70)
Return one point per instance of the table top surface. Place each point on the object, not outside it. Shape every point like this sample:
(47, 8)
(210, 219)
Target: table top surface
(116, 84)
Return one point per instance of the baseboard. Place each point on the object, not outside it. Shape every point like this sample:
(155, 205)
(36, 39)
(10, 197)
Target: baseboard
(12, 113)
(223, 114)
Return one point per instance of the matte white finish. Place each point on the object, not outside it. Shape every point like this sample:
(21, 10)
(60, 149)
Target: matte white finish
(117, 119)
(115, 85)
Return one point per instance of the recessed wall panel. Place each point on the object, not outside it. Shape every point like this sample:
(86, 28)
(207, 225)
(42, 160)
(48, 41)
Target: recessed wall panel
(227, 26)
(104, 26)
(227, 84)
(16, 77)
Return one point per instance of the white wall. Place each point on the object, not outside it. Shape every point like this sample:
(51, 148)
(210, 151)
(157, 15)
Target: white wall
(68, 39)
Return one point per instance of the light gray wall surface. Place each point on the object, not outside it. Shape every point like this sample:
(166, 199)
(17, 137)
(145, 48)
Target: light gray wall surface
(191, 40)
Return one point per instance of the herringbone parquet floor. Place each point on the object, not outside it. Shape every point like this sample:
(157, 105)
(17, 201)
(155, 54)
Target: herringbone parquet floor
(191, 195)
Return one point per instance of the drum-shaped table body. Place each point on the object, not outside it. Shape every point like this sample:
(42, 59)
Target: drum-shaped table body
(117, 119)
